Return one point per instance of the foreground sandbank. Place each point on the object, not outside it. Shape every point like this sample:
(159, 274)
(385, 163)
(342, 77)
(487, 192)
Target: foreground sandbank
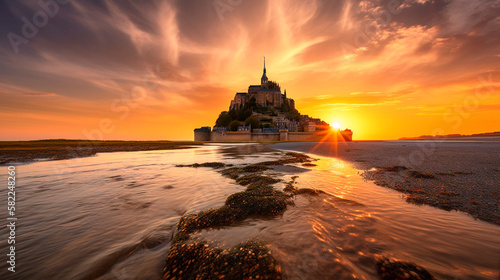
(458, 175)
(134, 201)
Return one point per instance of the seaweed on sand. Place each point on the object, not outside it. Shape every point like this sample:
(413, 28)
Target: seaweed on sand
(257, 201)
(215, 165)
(296, 191)
(254, 168)
(417, 174)
(260, 198)
(307, 191)
(248, 260)
(290, 188)
(414, 199)
(234, 172)
(396, 270)
(261, 201)
(394, 168)
(258, 180)
(293, 158)
(266, 165)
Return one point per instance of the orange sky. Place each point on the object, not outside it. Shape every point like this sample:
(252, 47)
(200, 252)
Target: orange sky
(159, 69)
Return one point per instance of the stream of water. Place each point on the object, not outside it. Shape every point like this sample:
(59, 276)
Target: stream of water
(113, 216)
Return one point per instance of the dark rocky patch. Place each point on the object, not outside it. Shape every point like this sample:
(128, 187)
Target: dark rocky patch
(248, 260)
(416, 191)
(307, 191)
(400, 270)
(254, 168)
(235, 172)
(453, 174)
(415, 200)
(417, 174)
(290, 188)
(223, 216)
(395, 168)
(294, 158)
(256, 201)
(260, 201)
(256, 180)
(214, 165)
(445, 193)
(232, 173)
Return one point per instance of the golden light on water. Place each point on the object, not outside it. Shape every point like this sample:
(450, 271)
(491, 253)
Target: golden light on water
(191, 67)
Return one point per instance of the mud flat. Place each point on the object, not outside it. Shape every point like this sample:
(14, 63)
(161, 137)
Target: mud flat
(29, 151)
(451, 175)
(239, 210)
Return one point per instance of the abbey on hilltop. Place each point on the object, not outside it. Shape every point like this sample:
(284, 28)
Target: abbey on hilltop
(267, 94)
(263, 113)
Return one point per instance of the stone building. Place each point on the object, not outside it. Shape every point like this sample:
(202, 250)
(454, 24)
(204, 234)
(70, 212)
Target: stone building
(267, 94)
(280, 125)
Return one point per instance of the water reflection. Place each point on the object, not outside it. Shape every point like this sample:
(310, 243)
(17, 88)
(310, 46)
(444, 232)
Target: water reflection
(112, 216)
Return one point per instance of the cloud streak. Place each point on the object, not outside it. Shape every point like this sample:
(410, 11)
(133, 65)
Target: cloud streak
(421, 53)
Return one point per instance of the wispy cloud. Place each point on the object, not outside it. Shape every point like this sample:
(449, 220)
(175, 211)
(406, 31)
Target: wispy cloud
(427, 53)
(39, 94)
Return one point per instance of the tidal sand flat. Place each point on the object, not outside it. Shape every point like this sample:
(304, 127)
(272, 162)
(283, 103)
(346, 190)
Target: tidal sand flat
(459, 174)
(29, 151)
(234, 208)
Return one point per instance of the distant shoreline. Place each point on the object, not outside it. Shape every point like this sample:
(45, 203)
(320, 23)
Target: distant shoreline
(29, 151)
(452, 136)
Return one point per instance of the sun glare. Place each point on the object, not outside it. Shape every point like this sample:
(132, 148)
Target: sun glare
(336, 125)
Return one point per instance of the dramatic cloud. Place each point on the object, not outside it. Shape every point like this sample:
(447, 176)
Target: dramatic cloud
(158, 69)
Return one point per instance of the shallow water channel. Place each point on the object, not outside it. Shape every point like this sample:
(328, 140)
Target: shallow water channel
(113, 216)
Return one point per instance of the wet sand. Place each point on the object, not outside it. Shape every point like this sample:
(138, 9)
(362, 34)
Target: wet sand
(29, 151)
(451, 175)
(116, 215)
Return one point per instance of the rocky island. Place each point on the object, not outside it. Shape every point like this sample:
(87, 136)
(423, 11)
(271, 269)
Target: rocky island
(263, 113)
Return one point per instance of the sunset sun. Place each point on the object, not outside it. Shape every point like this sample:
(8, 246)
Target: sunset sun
(325, 139)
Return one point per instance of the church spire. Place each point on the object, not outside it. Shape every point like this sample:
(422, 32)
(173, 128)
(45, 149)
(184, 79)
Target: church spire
(264, 65)
(264, 79)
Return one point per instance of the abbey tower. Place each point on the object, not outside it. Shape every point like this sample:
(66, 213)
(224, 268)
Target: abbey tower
(267, 94)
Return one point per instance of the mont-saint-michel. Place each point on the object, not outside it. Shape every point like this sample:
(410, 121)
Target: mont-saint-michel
(264, 113)
(99, 100)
